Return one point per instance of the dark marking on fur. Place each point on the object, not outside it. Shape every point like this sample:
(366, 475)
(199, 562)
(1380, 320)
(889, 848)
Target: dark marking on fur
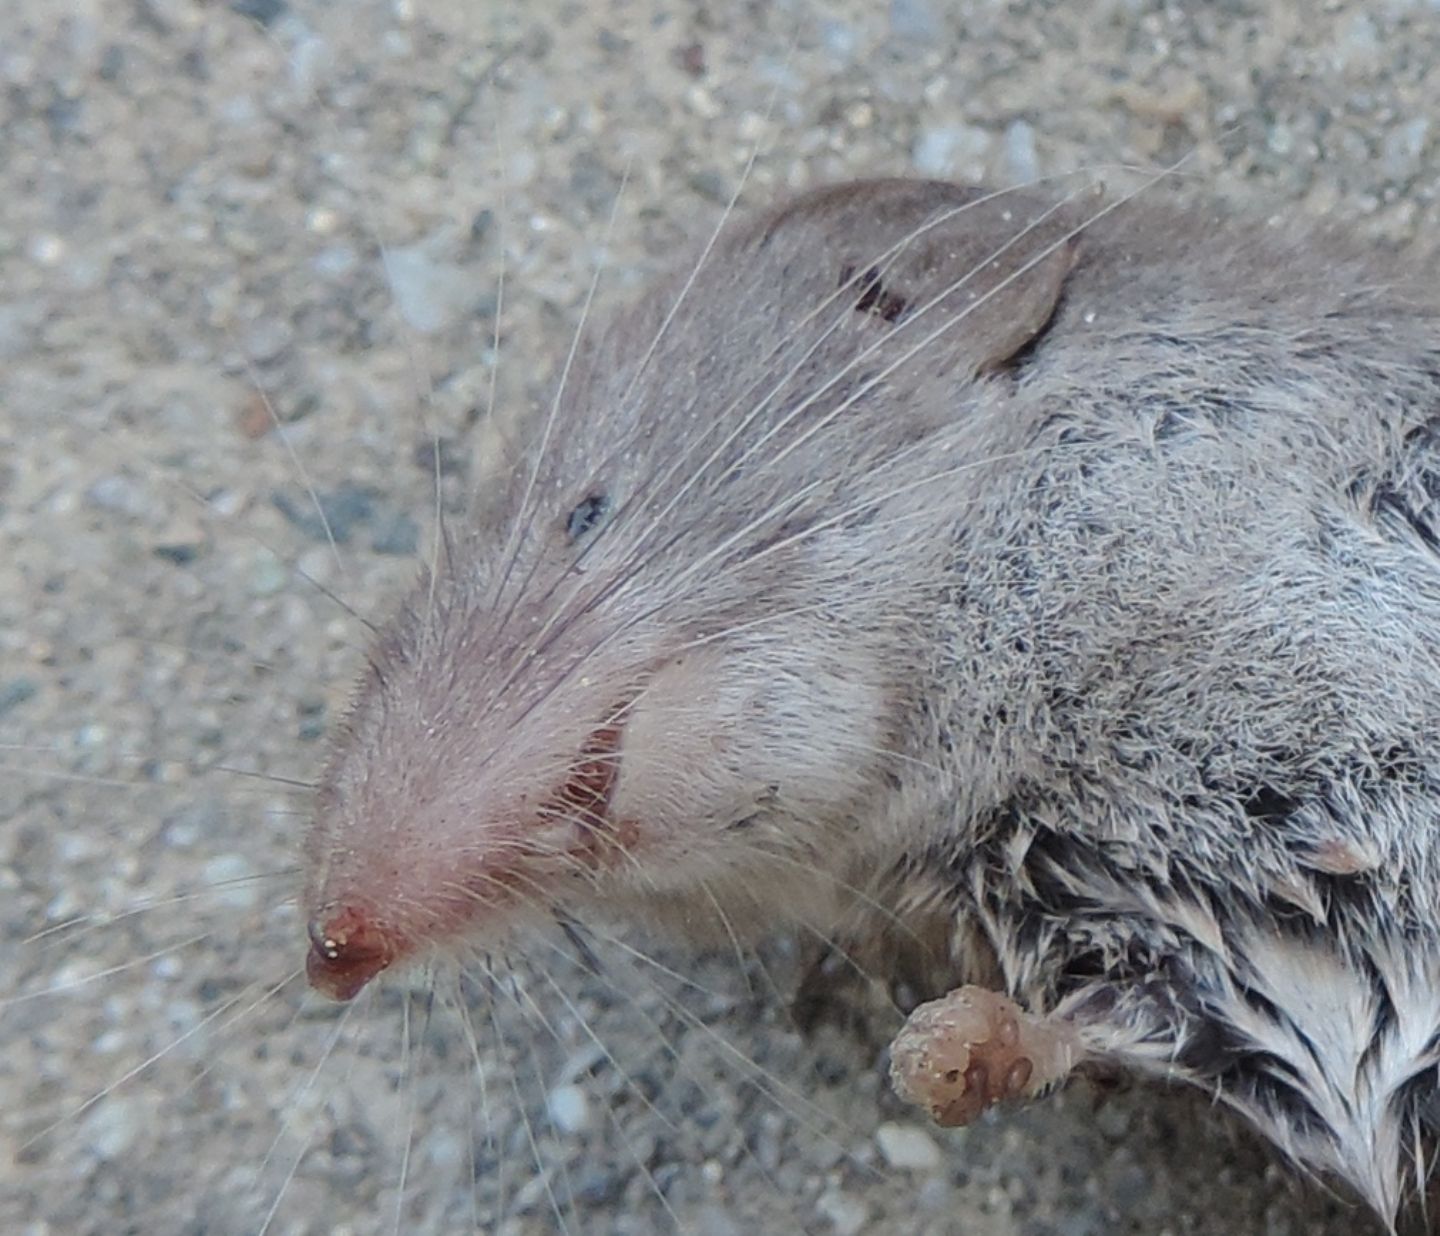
(586, 515)
(1265, 802)
(1388, 501)
(875, 298)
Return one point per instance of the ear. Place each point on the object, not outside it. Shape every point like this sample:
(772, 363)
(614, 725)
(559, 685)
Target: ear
(993, 263)
(998, 261)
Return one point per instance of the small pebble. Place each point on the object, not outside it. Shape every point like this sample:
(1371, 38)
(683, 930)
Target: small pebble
(1113, 1120)
(1020, 151)
(915, 20)
(569, 1109)
(950, 150)
(711, 185)
(310, 61)
(1131, 1189)
(847, 1215)
(935, 1195)
(91, 737)
(111, 1127)
(429, 291)
(344, 508)
(598, 1186)
(1280, 138)
(312, 724)
(167, 968)
(46, 250)
(1403, 148)
(840, 40)
(122, 495)
(178, 553)
(1359, 44)
(908, 1148)
(228, 875)
(445, 1151)
(264, 11)
(581, 1062)
(399, 535)
(335, 262)
(268, 575)
(16, 692)
(19, 324)
(268, 341)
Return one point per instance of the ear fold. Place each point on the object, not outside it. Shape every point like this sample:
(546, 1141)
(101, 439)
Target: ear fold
(1017, 299)
(988, 267)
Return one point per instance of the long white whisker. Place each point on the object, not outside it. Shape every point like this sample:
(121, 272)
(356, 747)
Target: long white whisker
(540, 1167)
(156, 1057)
(79, 926)
(57, 989)
(632, 508)
(704, 255)
(408, 1088)
(293, 1107)
(298, 464)
(472, 1040)
(641, 1165)
(814, 1119)
(522, 511)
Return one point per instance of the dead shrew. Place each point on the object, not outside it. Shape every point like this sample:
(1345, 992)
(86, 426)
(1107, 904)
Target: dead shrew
(1057, 578)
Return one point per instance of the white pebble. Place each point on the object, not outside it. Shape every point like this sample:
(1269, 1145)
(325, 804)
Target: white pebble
(335, 261)
(310, 63)
(839, 39)
(585, 1058)
(429, 291)
(908, 1148)
(1359, 44)
(122, 495)
(46, 250)
(111, 1128)
(182, 1016)
(19, 324)
(317, 565)
(444, 1151)
(1404, 146)
(569, 1109)
(167, 968)
(949, 150)
(915, 20)
(1020, 151)
(268, 575)
(230, 876)
(935, 1195)
(847, 1215)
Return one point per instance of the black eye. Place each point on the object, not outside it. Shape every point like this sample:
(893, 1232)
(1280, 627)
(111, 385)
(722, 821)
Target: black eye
(586, 516)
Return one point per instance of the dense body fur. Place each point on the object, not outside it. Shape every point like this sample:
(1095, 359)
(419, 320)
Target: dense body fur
(1054, 579)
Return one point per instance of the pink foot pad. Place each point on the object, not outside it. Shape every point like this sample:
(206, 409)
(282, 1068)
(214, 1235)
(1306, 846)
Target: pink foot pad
(973, 1048)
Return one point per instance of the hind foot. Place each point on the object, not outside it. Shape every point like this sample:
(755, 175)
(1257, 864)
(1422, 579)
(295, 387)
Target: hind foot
(967, 1051)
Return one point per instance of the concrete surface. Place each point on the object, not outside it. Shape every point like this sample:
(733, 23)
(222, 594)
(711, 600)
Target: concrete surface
(208, 208)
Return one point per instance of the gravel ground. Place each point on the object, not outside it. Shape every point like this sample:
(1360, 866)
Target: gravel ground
(216, 217)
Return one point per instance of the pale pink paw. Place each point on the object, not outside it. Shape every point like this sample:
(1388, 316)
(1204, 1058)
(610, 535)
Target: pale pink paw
(973, 1048)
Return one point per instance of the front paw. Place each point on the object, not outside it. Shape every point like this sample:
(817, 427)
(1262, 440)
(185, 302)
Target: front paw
(973, 1048)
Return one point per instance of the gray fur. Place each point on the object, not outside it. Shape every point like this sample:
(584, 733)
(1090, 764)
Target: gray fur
(1071, 592)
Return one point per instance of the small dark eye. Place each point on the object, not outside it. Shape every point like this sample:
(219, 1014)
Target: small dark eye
(586, 516)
